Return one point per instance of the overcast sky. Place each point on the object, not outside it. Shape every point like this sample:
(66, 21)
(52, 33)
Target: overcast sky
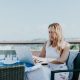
(29, 19)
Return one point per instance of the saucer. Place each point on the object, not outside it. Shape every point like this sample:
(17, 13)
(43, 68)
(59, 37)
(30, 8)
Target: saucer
(9, 62)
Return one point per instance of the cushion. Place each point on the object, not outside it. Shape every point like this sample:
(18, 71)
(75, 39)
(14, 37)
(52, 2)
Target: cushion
(71, 58)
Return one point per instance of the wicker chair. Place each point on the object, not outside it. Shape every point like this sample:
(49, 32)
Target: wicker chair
(15, 72)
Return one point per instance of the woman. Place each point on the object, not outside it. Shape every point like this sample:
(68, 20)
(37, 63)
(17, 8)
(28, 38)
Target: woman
(57, 49)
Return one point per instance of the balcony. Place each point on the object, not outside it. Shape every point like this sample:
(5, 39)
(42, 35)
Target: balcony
(36, 47)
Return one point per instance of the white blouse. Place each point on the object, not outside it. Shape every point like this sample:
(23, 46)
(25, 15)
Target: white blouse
(51, 52)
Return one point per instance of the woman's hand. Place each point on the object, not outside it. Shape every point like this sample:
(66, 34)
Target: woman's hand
(35, 59)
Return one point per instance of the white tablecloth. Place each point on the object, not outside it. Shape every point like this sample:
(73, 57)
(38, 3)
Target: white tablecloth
(37, 72)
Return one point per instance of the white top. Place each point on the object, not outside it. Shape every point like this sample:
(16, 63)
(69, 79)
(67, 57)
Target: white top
(52, 53)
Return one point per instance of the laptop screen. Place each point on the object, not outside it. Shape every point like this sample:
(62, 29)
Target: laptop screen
(25, 56)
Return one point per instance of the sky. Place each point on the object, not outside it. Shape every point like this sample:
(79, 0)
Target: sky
(29, 19)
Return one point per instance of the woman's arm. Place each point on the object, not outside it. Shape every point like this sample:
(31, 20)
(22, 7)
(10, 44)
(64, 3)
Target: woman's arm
(64, 56)
(43, 53)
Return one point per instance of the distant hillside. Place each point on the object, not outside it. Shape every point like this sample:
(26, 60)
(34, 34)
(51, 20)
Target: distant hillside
(39, 40)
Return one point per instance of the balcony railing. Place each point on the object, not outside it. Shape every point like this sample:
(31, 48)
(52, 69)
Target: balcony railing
(75, 44)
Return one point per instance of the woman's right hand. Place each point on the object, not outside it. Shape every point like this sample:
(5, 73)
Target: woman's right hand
(35, 59)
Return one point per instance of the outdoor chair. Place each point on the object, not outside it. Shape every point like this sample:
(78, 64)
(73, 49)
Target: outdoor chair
(15, 72)
(73, 64)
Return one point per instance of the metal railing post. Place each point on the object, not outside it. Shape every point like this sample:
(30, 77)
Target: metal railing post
(52, 75)
(79, 47)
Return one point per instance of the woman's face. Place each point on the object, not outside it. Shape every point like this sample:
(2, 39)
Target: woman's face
(52, 34)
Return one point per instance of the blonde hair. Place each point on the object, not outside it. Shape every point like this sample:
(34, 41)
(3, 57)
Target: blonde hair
(58, 30)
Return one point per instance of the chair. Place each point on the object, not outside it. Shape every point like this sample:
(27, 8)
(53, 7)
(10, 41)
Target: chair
(75, 63)
(76, 66)
(15, 72)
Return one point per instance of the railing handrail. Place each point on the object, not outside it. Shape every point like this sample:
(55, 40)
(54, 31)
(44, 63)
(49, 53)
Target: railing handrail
(34, 42)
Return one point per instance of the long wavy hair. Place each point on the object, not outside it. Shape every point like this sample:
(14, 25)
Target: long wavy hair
(57, 28)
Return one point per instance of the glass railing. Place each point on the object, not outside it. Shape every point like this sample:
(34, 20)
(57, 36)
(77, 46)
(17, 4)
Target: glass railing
(36, 46)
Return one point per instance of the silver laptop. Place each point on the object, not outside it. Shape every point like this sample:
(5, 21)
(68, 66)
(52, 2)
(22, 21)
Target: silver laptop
(24, 55)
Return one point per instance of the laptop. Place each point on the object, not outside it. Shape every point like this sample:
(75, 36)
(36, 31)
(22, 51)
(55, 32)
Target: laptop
(25, 56)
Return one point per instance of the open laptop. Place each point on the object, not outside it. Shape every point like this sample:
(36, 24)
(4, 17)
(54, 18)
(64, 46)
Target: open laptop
(25, 56)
